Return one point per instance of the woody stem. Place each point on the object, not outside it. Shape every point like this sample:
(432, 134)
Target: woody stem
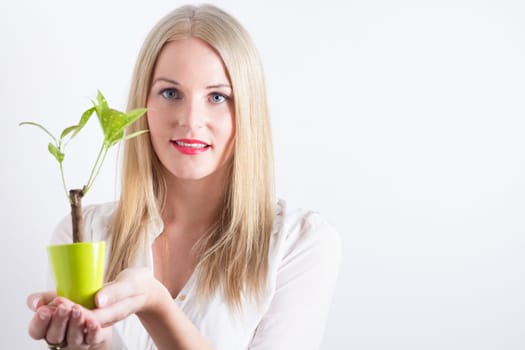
(75, 197)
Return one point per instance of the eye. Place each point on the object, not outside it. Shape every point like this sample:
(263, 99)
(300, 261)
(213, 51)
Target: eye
(169, 93)
(217, 98)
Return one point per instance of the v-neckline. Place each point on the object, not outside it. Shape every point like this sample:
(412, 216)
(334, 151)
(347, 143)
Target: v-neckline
(187, 288)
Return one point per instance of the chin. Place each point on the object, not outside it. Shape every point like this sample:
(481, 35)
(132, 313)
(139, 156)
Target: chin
(191, 175)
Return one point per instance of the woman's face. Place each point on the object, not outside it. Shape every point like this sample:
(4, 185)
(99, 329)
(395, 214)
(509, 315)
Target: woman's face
(190, 110)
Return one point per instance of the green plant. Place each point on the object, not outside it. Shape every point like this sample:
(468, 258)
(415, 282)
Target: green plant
(113, 124)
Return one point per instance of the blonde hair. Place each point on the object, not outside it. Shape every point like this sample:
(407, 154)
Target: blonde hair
(234, 254)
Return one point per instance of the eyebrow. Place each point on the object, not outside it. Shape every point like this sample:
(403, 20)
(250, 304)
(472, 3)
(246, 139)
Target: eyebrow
(171, 81)
(216, 86)
(174, 82)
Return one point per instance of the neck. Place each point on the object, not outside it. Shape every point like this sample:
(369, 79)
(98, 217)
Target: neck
(194, 203)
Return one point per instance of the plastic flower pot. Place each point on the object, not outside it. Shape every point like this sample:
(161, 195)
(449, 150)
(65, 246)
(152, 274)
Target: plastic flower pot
(78, 270)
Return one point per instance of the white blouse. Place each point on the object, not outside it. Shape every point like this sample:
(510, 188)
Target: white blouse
(304, 261)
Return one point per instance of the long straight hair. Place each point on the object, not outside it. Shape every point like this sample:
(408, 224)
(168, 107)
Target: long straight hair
(233, 255)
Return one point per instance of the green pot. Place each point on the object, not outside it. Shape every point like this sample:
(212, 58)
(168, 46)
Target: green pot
(78, 269)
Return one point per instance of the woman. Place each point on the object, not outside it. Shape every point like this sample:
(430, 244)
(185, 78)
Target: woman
(201, 254)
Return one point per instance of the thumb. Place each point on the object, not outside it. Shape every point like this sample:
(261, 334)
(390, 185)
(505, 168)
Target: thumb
(114, 292)
(129, 283)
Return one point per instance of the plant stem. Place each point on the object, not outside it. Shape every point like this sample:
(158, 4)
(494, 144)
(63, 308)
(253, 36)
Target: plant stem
(75, 197)
(64, 180)
(99, 166)
(94, 171)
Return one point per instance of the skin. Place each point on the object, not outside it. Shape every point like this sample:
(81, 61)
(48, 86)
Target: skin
(190, 98)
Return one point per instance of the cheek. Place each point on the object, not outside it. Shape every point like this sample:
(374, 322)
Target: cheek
(155, 126)
(228, 130)
(155, 120)
(154, 114)
(229, 137)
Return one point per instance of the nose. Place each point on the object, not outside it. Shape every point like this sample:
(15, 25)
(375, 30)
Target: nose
(191, 116)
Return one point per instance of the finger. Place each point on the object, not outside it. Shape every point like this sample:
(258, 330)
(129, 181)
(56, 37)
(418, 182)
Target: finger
(118, 311)
(57, 301)
(130, 282)
(56, 331)
(114, 292)
(35, 300)
(39, 323)
(93, 333)
(75, 328)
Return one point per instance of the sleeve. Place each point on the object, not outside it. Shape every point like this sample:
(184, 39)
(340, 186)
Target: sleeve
(96, 219)
(305, 282)
(63, 232)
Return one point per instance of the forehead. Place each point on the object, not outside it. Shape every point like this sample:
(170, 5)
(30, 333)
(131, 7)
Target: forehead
(190, 59)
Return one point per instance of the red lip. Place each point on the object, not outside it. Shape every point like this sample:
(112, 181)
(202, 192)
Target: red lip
(190, 146)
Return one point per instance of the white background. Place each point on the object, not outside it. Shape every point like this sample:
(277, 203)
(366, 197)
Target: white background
(402, 122)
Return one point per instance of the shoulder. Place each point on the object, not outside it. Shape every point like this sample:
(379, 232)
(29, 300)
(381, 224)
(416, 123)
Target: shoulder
(299, 231)
(97, 220)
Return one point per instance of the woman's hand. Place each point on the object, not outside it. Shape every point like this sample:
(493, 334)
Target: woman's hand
(134, 291)
(137, 291)
(58, 320)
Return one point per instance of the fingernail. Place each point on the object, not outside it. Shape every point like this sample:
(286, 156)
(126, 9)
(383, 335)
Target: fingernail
(34, 303)
(76, 313)
(42, 315)
(102, 300)
(62, 311)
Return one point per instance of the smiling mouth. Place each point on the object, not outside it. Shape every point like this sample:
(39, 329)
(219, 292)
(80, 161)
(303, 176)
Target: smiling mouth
(190, 147)
(190, 144)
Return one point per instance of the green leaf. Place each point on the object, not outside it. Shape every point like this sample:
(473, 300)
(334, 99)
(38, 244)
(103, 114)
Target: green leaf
(83, 120)
(115, 122)
(134, 114)
(67, 130)
(112, 122)
(39, 126)
(102, 100)
(55, 152)
(101, 107)
(135, 134)
(129, 118)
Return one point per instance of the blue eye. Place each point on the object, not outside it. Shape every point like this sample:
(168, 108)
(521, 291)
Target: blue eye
(170, 93)
(217, 98)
